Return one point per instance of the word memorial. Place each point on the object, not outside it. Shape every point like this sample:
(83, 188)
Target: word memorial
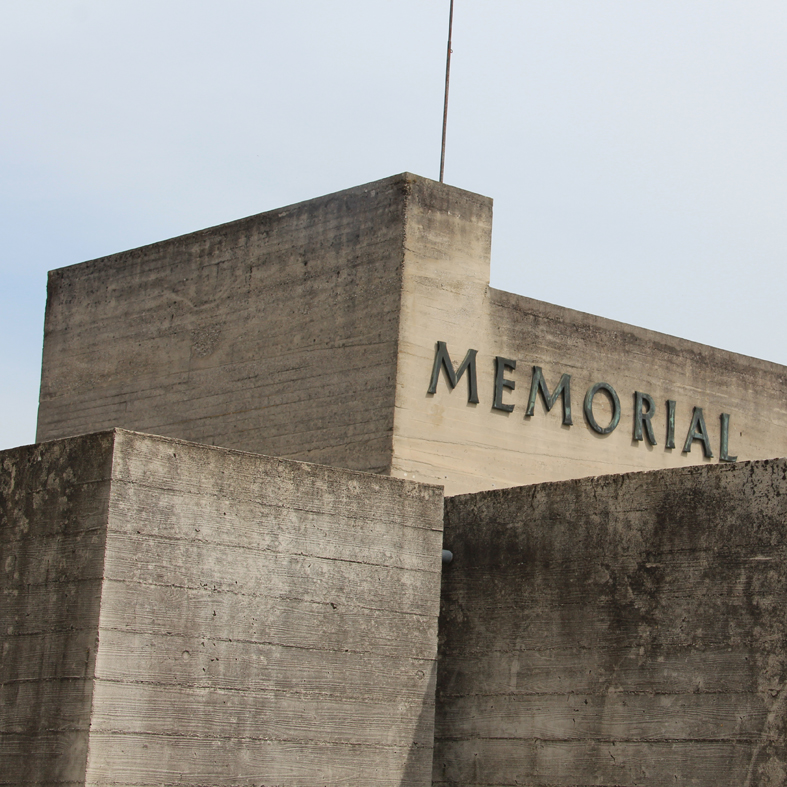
(644, 405)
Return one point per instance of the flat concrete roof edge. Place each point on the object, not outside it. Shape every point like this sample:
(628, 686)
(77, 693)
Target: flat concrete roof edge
(710, 467)
(406, 178)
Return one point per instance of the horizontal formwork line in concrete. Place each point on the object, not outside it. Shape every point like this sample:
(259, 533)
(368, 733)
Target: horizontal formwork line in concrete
(273, 265)
(343, 675)
(704, 643)
(573, 660)
(337, 510)
(71, 629)
(251, 418)
(260, 393)
(624, 563)
(602, 692)
(254, 438)
(287, 378)
(364, 696)
(560, 600)
(216, 587)
(44, 680)
(336, 602)
(287, 530)
(584, 739)
(189, 687)
(80, 420)
(251, 694)
(286, 375)
(209, 591)
(261, 642)
(425, 557)
(728, 676)
(70, 532)
(54, 783)
(235, 738)
(261, 739)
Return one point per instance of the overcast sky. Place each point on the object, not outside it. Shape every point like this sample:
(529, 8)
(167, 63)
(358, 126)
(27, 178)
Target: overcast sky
(636, 150)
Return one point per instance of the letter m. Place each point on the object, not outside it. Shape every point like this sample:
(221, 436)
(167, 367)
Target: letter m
(442, 358)
(538, 385)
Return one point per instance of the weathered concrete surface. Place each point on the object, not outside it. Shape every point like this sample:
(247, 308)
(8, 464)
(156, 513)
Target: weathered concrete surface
(622, 630)
(53, 516)
(309, 333)
(275, 334)
(258, 621)
(442, 438)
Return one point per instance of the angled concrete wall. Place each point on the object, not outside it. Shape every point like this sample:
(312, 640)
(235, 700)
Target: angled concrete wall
(624, 630)
(204, 616)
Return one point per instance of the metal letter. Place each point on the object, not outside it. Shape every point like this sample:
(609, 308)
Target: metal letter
(442, 358)
(725, 440)
(501, 364)
(698, 431)
(641, 418)
(592, 391)
(671, 405)
(538, 384)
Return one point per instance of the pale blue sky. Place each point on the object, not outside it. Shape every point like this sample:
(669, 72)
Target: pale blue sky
(636, 151)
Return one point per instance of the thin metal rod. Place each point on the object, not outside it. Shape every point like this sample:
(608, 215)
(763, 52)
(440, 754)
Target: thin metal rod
(447, 77)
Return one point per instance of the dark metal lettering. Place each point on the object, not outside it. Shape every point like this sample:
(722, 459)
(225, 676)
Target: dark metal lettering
(643, 419)
(442, 358)
(501, 366)
(538, 384)
(589, 396)
(698, 431)
(671, 405)
(724, 455)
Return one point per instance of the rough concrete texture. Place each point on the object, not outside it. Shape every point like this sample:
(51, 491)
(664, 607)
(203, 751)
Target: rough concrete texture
(309, 333)
(53, 514)
(259, 621)
(622, 630)
(275, 334)
(442, 438)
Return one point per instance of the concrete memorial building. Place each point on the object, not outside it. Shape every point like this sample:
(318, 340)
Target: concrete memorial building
(222, 558)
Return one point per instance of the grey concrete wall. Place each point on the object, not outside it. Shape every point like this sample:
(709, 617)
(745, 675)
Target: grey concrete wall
(444, 438)
(275, 334)
(622, 630)
(53, 517)
(260, 622)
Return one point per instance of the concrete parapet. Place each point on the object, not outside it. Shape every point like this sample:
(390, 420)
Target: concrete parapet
(185, 615)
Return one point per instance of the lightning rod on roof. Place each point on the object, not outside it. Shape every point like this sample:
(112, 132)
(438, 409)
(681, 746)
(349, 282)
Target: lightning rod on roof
(447, 76)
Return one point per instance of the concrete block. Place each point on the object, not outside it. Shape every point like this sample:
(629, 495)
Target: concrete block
(185, 615)
(626, 630)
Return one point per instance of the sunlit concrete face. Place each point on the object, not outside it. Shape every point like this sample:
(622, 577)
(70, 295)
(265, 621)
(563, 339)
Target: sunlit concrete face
(187, 615)
(632, 399)
(312, 332)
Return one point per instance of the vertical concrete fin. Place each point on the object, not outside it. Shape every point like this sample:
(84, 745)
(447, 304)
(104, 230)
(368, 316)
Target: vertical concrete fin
(448, 241)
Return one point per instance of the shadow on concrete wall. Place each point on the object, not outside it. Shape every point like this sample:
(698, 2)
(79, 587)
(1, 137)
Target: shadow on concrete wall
(417, 770)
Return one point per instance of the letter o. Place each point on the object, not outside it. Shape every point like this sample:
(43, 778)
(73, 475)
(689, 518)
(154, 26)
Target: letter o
(590, 395)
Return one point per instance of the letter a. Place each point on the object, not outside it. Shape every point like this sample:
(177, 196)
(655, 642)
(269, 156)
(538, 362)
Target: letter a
(698, 431)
